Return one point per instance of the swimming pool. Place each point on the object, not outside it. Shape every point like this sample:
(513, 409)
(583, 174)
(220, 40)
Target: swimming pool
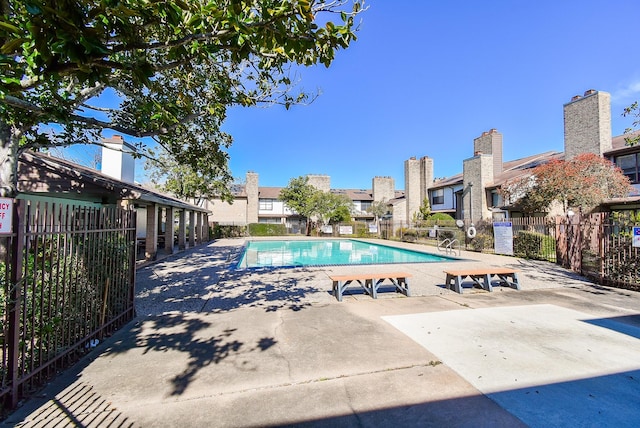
(326, 253)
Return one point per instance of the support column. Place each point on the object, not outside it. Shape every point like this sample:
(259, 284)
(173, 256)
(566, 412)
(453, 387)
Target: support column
(182, 230)
(151, 242)
(205, 227)
(199, 228)
(168, 230)
(192, 229)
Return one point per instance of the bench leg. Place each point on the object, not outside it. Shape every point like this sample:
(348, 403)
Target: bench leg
(338, 289)
(516, 281)
(487, 283)
(371, 287)
(454, 283)
(402, 285)
(457, 283)
(511, 279)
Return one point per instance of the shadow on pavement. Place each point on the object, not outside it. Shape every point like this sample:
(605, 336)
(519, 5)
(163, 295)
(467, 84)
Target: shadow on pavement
(205, 280)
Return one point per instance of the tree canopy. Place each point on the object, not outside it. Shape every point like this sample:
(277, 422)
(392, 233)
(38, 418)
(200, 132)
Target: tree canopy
(332, 208)
(300, 196)
(171, 67)
(183, 181)
(584, 181)
(632, 133)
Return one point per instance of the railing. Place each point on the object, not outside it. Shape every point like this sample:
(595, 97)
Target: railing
(66, 282)
(448, 246)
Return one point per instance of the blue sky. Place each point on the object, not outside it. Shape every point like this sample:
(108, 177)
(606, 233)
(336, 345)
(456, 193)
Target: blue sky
(427, 77)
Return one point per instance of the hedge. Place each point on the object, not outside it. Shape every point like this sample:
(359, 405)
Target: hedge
(267, 229)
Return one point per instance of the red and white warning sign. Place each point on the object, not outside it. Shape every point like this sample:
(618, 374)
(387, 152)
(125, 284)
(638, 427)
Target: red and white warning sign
(6, 215)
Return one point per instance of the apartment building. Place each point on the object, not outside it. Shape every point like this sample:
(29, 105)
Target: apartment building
(471, 195)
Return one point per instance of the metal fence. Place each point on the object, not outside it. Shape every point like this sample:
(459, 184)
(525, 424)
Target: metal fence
(67, 279)
(600, 246)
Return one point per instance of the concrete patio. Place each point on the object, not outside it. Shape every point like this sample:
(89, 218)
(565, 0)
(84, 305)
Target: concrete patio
(213, 346)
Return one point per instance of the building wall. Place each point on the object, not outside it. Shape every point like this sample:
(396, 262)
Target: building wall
(587, 124)
(320, 182)
(399, 213)
(251, 188)
(411, 188)
(426, 176)
(490, 143)
(449, 203)
(230, 214)
(384, 188)
(477, 171)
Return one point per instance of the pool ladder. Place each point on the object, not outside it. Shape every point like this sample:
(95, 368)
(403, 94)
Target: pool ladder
(449, 246)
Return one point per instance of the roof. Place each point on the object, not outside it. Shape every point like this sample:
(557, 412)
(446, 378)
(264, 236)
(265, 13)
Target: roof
(510, 169)
(619, 144)
(353, 194)
(40, 173)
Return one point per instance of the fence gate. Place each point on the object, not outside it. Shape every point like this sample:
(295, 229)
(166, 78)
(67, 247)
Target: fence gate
(67, 280)
(600, 246)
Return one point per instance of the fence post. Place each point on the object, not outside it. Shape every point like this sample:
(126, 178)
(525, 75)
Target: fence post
(15, 300)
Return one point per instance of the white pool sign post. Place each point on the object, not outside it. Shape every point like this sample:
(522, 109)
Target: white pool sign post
(503, 237)
(636, 236)
(6, 215)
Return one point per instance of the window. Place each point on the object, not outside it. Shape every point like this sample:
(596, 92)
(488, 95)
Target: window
(437, 197)
(629, 166)
(269, 220)
(365, 205)
(266, 204)
(495, 198)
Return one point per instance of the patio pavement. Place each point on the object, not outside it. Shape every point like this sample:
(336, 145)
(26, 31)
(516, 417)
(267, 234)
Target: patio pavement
(216, 347)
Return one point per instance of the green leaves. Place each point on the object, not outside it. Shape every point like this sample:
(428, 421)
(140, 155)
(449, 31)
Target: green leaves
(175, 65)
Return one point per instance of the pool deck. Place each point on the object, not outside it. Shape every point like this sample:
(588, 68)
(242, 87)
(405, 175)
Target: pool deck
(213, 346)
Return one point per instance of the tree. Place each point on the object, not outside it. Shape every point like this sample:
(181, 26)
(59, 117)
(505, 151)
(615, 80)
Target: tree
(301, 197)
(584, 181)
(425, 209)
(518, 193)
(379, 208)
(172, 67)
(332, 208)
(633, 136)
(185, 182)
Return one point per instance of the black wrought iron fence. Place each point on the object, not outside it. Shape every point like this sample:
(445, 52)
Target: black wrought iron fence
(67, 279)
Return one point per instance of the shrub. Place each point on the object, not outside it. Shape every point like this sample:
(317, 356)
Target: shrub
(223, 231)
(446, 234)
(534, 245)
(481, 241)
(409, 235)
(267, 229)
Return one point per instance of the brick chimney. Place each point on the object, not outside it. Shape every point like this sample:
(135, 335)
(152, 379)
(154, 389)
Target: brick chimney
(587, 124)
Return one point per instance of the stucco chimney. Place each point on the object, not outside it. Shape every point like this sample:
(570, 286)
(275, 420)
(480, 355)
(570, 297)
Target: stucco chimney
(117, 159)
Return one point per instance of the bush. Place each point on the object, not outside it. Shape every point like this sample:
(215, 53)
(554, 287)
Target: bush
(221, 231)
(446, 234)
(481, 241)
(441, 219)
(409, 235)
(267, 229)
(534, 245)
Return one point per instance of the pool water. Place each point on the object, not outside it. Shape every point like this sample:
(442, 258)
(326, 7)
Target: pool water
(328, 252)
